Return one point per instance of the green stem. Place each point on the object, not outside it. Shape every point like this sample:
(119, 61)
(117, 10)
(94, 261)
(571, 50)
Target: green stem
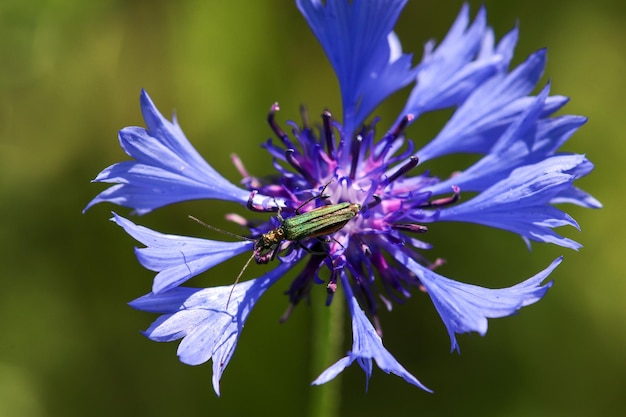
(327, 343)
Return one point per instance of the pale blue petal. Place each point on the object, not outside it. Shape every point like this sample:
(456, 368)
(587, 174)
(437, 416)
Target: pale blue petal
(449, 73)
(367, 345)
(488, 111)
(209, 320)
(520, 202)
(178, 258)
(528, 140)
(465, 308)
(332, 371)
(365, 54)
(166, 168)
(576, 196)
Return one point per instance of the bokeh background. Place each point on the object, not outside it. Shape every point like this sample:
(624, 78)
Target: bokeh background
(70, 76)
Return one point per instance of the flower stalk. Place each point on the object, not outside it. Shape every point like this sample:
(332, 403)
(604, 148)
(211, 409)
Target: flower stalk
(327, 328)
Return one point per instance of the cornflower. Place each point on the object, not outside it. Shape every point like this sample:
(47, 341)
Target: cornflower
(372, 257)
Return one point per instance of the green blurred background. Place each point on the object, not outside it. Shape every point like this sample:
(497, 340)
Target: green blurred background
(70, 76)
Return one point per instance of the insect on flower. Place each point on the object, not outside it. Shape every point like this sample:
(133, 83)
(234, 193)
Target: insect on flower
(320, 221)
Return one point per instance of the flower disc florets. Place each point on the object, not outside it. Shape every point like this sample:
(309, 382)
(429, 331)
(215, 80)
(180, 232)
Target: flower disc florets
(372, 174)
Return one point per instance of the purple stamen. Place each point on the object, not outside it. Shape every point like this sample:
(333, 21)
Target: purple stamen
(249, 181)
(446, 201)
(238, 219)
(391, 137)
(410, 227)
(377, 201)
(365, 249)
(355, 151)
(328, 132)
(287, 313)
(377, 326)
(436, 264)
(239, 165)
(289, 156)
(275, 128)
(409, 165)
(331, 287)
(304, 115)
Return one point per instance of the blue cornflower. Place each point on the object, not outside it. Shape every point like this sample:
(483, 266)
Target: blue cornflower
(375, 258)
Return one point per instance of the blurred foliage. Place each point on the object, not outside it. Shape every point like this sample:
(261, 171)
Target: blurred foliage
(70, 76)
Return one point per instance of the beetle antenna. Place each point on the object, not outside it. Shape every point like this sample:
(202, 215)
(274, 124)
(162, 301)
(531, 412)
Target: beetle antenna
(237, 279)
(208, 226)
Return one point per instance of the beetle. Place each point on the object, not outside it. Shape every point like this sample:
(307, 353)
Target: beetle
(318, 222)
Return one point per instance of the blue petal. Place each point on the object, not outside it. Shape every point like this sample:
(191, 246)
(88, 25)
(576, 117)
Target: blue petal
(178, 258)
(488, 111)
(462, 62)
(166, 168)
(521, 202)
(365, 54)
(527, 140)
(465, 308)
(367, 345)
(576, 196)
(209, 323)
